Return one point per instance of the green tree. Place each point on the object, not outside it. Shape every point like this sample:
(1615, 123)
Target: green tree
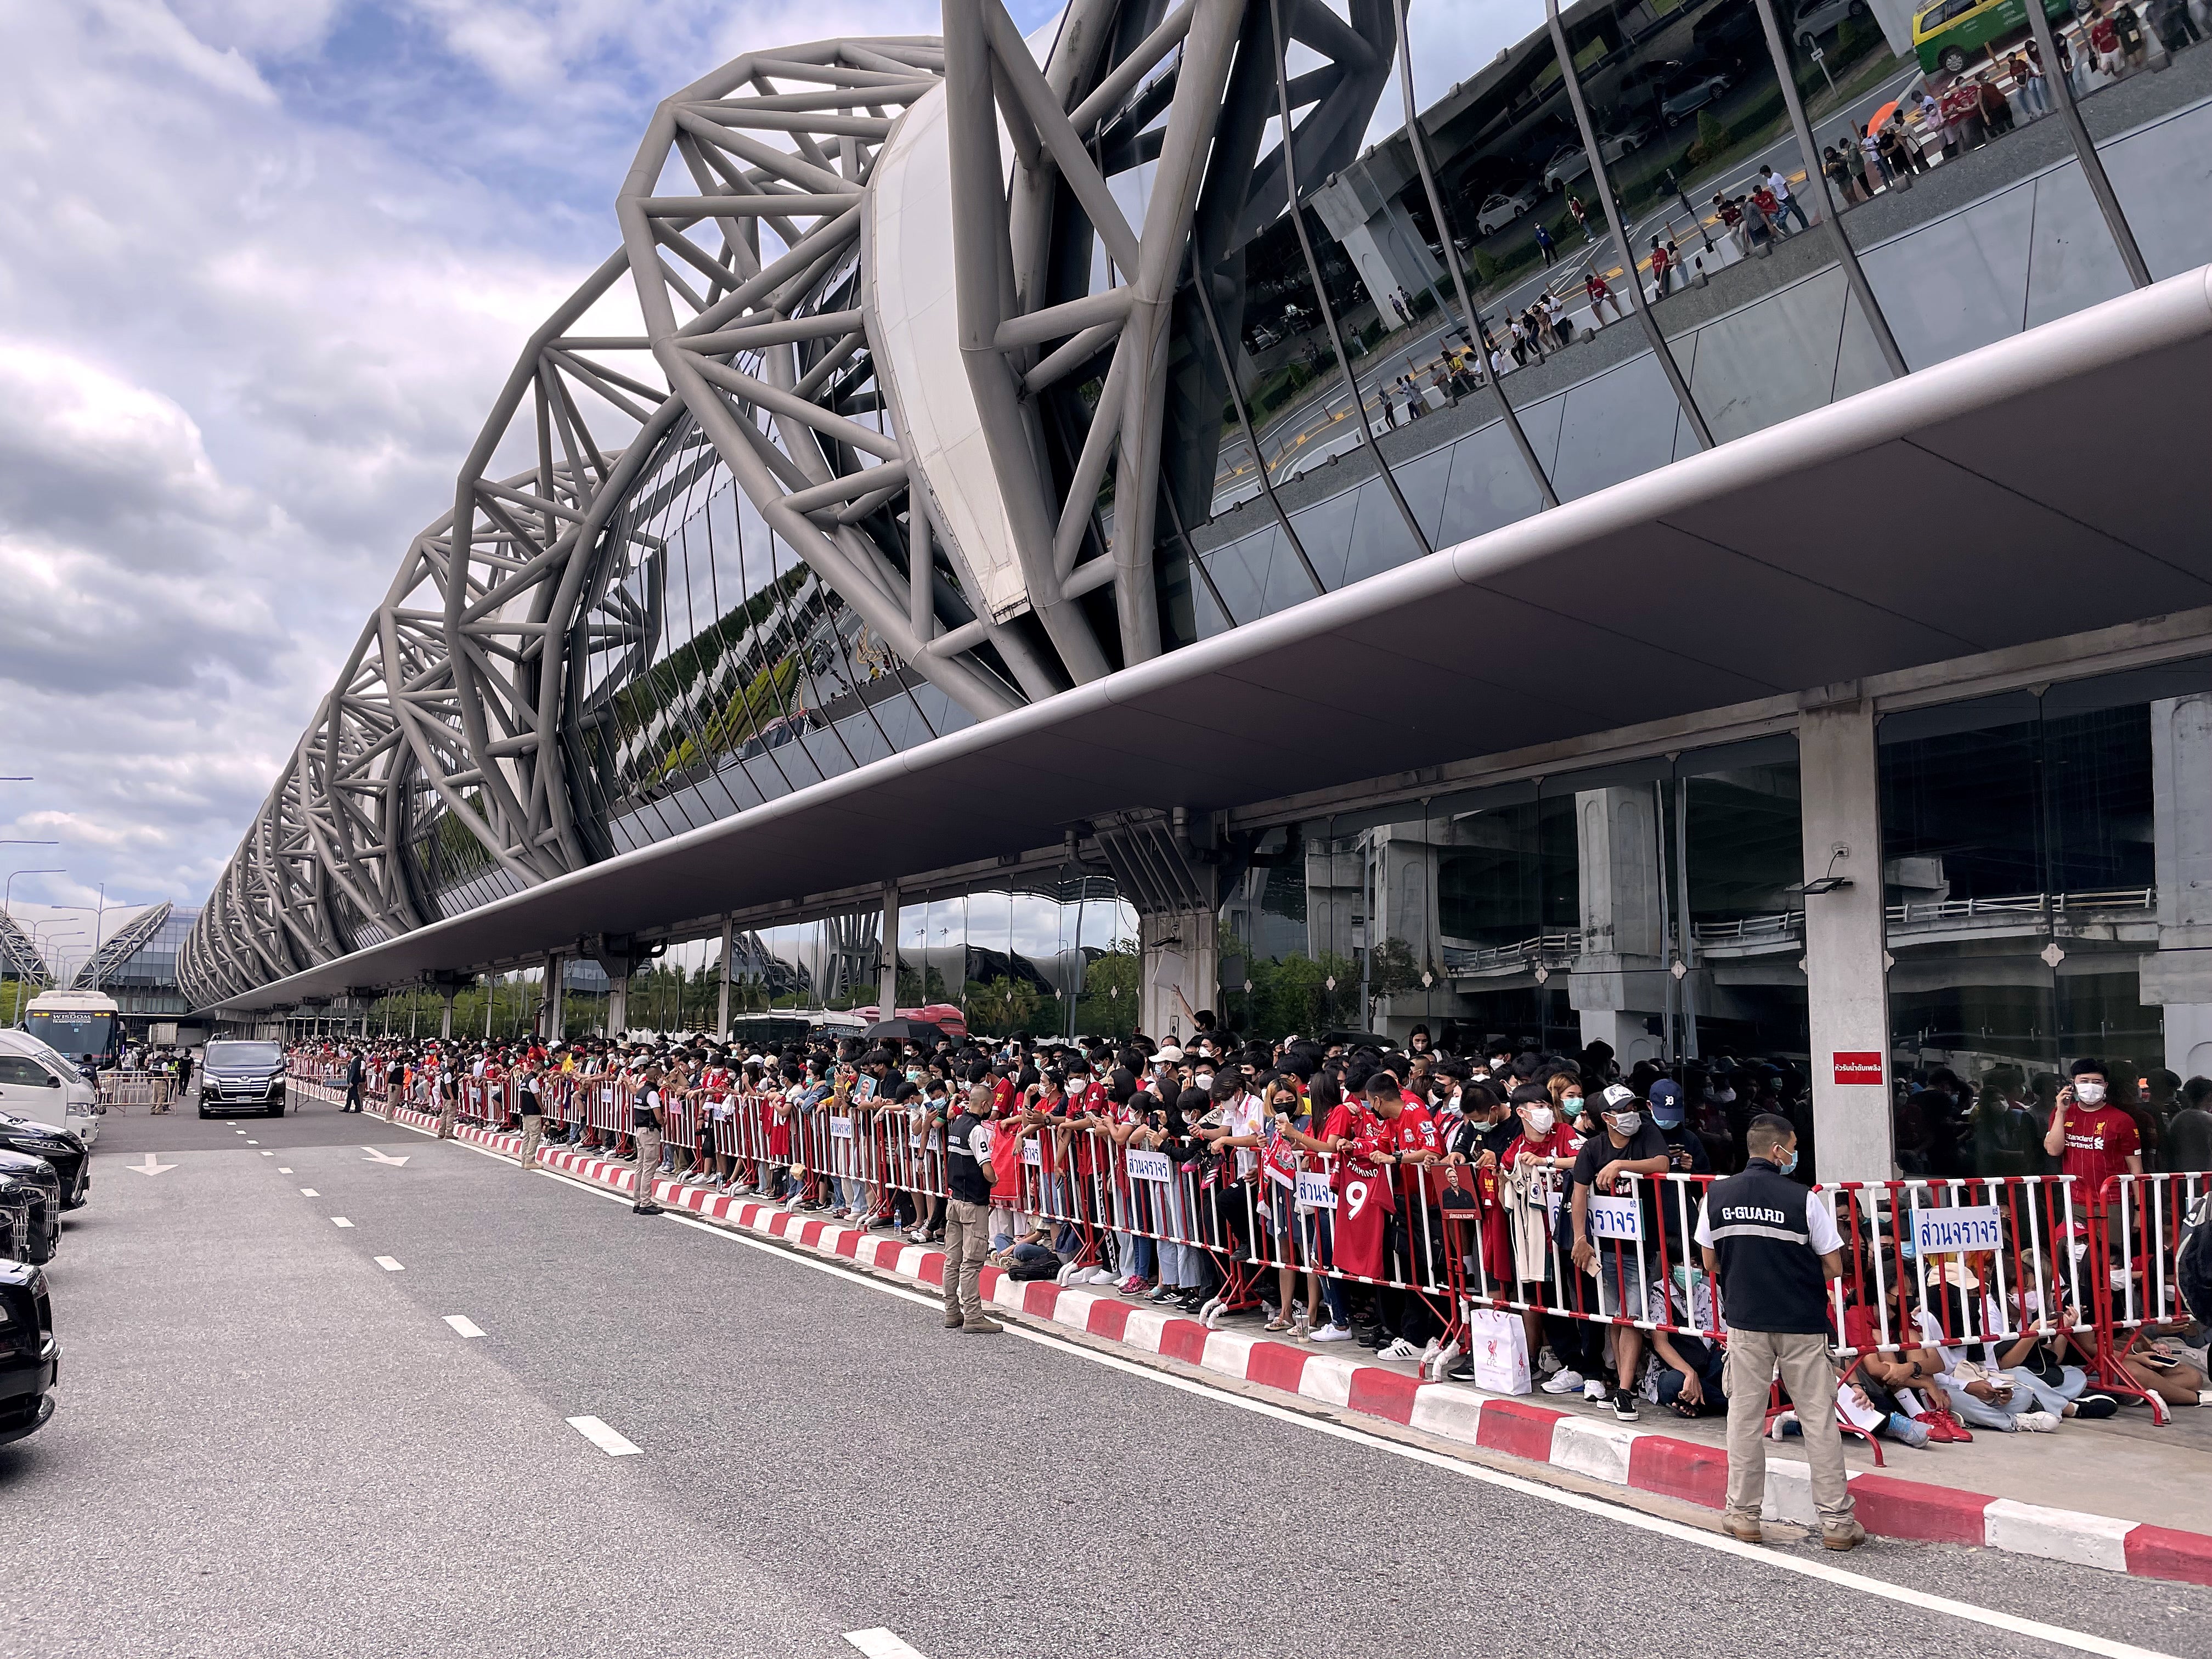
(1712, 138)
(1108, 1006)
(1002, 1007)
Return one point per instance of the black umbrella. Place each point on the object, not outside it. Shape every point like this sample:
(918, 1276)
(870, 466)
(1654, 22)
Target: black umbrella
(928, 1033)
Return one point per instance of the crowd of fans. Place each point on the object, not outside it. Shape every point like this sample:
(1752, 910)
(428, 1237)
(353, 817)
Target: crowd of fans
(1486, 1170)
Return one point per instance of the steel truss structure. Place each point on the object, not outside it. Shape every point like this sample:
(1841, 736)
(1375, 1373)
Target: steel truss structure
(965, 544)
(124, 944)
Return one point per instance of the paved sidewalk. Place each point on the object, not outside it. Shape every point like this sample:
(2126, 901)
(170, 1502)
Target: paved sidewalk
(2121, 1495)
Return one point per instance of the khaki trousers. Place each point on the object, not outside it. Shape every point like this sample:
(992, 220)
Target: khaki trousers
(1753, 1359)
(648, 1163)
(447, 1109)
(967, 1241)
(533, 1132)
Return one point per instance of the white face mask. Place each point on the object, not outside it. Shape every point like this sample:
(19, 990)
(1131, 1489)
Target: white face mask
(1539, 1121)
(1626, 1123)
(2089, 1094)
(1202, 1080)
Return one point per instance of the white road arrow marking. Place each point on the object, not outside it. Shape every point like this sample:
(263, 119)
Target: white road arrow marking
(149, 1167)
(464, 1326)
(375, 1156)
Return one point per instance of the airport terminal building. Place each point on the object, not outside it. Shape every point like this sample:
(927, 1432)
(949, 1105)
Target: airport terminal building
(1692, 536)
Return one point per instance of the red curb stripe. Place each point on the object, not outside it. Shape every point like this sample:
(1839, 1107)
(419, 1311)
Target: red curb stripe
(1039, 1297)
(1380, 1392)
(2165, 1552)
(1278, 1365)
(1516, 1429)
(1107, 1319)
(848, 1244)
(1183, 1340)
(932, 1271)
(1907, 1509)
(1679, 1468)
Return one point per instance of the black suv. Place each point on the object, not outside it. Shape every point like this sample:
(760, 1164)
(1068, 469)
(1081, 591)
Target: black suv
(239, 1075)
(30, 1208)
(30, 1359)
(62, 1149)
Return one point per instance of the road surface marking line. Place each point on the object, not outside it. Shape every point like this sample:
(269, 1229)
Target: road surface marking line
(340, 1221)
(267, 1154)
(389, 1265)
(309, 1192)
(280, 1169)
(254, 1143)
(1720, 1543)
(880, 1644)
(464, 1326)
(604, 1437)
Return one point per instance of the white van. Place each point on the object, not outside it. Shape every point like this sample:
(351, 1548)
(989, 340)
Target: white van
(38, 1083)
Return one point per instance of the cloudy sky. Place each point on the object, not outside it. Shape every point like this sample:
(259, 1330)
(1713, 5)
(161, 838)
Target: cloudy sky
(263, 265)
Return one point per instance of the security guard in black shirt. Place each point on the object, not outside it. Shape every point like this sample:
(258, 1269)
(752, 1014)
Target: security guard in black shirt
(1773, 1247)
(968, 1178)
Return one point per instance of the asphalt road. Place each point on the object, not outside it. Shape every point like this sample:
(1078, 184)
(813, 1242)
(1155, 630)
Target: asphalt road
(270, 1443)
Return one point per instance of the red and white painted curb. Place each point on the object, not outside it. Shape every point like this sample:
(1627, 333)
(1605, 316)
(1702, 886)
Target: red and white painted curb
(1610, 1452)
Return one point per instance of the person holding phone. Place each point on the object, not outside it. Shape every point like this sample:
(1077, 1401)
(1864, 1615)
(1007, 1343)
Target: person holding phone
(2091, 1136)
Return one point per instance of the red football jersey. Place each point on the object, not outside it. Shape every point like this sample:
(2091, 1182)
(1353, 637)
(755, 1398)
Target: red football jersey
(1363, 1203)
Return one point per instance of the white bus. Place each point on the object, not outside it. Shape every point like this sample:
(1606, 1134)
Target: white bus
(80, 1024)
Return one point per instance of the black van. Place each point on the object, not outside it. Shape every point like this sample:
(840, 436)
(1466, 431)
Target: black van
(30, 1358)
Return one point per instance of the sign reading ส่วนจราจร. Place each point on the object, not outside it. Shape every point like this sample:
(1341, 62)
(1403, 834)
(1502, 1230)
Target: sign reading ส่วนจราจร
(1314, 1192)
(1615, 1218)
(1957, 1231)
(1149, 1166)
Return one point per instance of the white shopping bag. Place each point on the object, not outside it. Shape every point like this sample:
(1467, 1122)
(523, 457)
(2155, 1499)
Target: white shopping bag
(1497, 1345)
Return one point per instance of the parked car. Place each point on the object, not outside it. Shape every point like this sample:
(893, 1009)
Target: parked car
(39, 1082)
(1687, 98)
(1815, 18)
(60, 1150)
(1571, 163)
(30, 1358)
(239, 1076)
(30, 1208)
(1501, 208)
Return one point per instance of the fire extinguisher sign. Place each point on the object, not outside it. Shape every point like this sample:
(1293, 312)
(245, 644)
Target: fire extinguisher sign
(1858, 1066)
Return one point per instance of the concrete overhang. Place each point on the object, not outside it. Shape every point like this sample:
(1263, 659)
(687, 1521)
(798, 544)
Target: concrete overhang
(2048, 484)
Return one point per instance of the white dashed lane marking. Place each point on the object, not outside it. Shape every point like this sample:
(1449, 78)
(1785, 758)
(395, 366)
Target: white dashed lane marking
(464, 1326)
(604, 1437)
(389, 1265)
(280, 1169)
(880, 1644)
(340, 1221)
(309, 1192)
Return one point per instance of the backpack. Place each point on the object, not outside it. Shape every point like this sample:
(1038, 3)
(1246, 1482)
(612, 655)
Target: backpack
(2192, 1262)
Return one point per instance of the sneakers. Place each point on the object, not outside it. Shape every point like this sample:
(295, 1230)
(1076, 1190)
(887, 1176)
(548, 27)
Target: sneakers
(1398, 1349)
(979, 1327)
(1623, 1405)
(1561, 1382)
(1100, 1276)
(1783, 1423)
(1850, 1534)
(2037, 1423)
(1547, 1361)
(1333, 1334)
(1905, 1429)
(1164, 1293)
(647, 1209)
(1593, 1390)
(2091, 1406)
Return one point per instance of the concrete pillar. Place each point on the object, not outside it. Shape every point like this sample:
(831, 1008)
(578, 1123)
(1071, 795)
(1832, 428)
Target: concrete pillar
(1847, 986)
(2178, 976)
(1619, 979)
(446, 1019)
(722, 990)
(557, 1004)
(887, 963)
(491, 998)
(617, 1004)
(1180, 970)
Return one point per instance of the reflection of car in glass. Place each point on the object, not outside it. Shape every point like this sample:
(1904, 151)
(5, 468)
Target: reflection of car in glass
(1952, 32)
(1502, 210)
(776, 734)
(1571, 163)
(1815, 18)
(1691, 96)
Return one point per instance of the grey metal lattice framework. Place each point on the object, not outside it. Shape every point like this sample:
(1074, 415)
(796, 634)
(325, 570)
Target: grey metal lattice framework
(760, 330)
(124, 944)
(19, 955)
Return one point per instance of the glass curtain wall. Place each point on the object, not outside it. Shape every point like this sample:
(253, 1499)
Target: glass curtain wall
(2023, 842)
(1059, 957)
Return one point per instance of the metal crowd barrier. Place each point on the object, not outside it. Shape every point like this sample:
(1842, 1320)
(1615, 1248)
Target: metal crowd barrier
(152, 1089)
